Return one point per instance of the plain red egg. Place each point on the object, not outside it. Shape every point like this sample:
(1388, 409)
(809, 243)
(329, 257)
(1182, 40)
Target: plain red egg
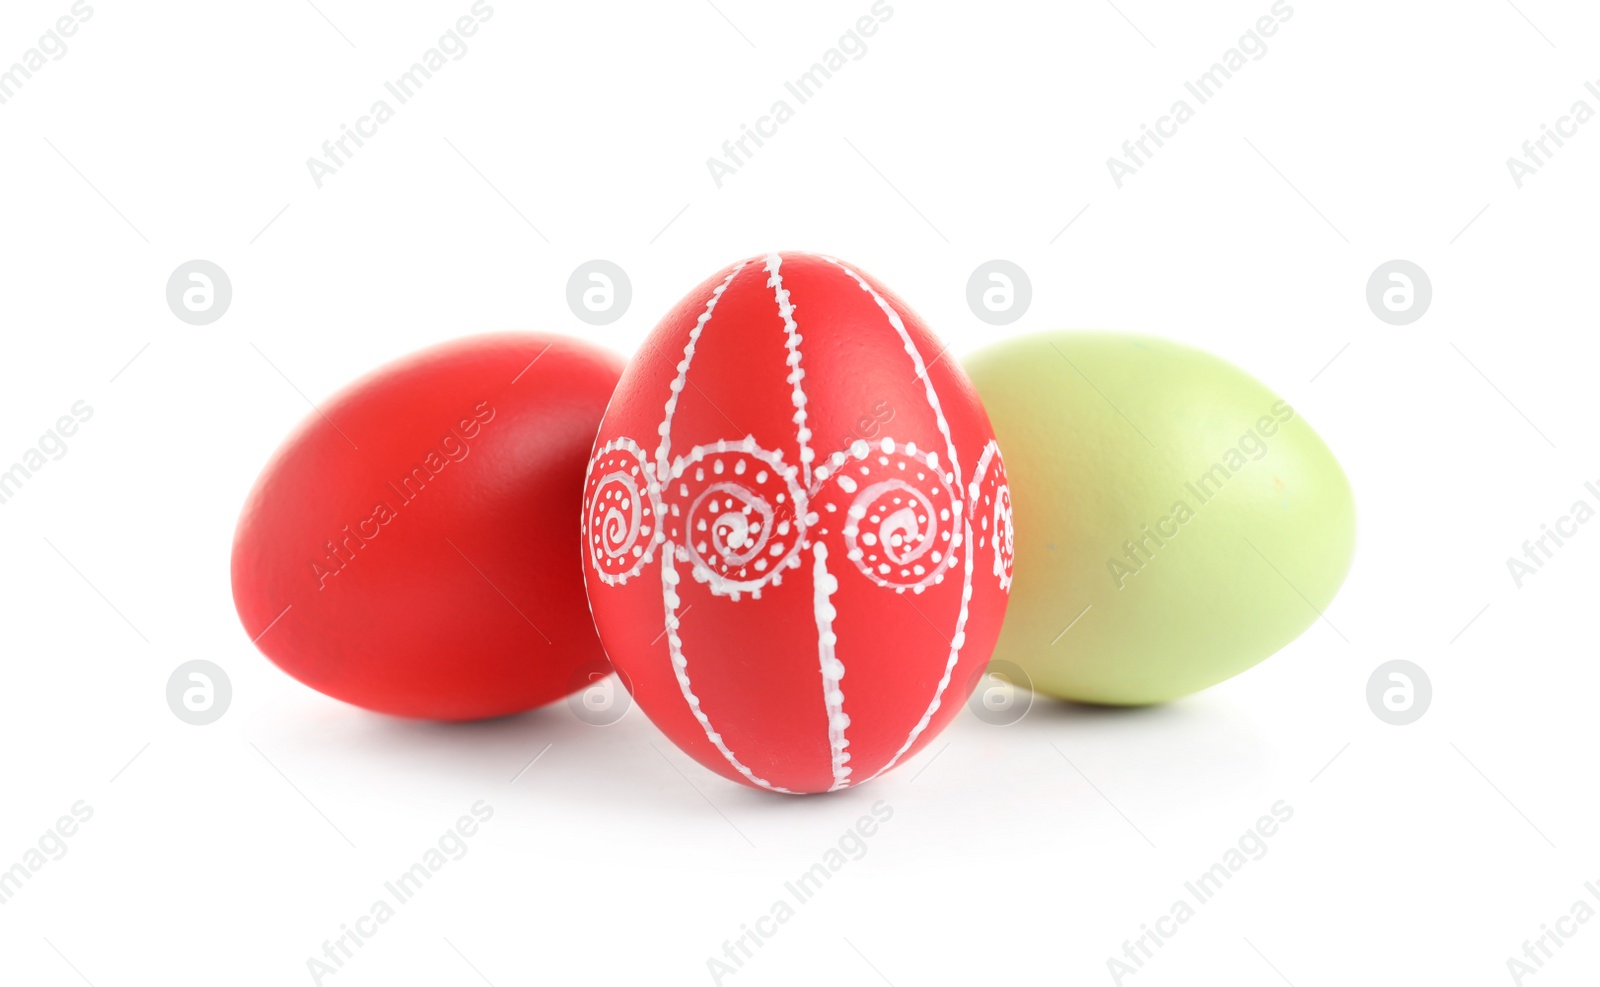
(797, 528)
(413, 547)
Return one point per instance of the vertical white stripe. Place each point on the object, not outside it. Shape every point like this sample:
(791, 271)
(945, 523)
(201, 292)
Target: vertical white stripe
(796, 374)
(669, 572)
(663, 463)
(950, 664)
(680, 668)
(960, 637)
(824, 585)
(922, 370)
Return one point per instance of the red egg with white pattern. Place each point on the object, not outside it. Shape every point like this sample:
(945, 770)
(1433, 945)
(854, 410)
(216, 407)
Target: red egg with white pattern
(797, 529)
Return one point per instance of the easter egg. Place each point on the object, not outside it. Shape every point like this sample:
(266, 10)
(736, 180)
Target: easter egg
(797, 537)
(413, 547)
(1176, 521)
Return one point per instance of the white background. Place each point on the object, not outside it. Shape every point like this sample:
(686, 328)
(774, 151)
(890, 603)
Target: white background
(1368, 131)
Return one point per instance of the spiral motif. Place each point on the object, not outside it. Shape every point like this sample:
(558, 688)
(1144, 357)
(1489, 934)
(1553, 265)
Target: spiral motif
(1004, 537)
(991, 506)
(621, 511)
(740, 528)
(737, 515)
(901, 521)
(619, 533)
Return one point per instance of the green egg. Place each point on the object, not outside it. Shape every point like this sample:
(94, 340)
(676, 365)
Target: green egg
(1175, 521)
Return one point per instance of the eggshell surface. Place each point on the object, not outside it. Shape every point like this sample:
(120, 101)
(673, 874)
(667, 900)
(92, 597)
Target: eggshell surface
(413, 548)
(796, 527)
(1176, 521)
